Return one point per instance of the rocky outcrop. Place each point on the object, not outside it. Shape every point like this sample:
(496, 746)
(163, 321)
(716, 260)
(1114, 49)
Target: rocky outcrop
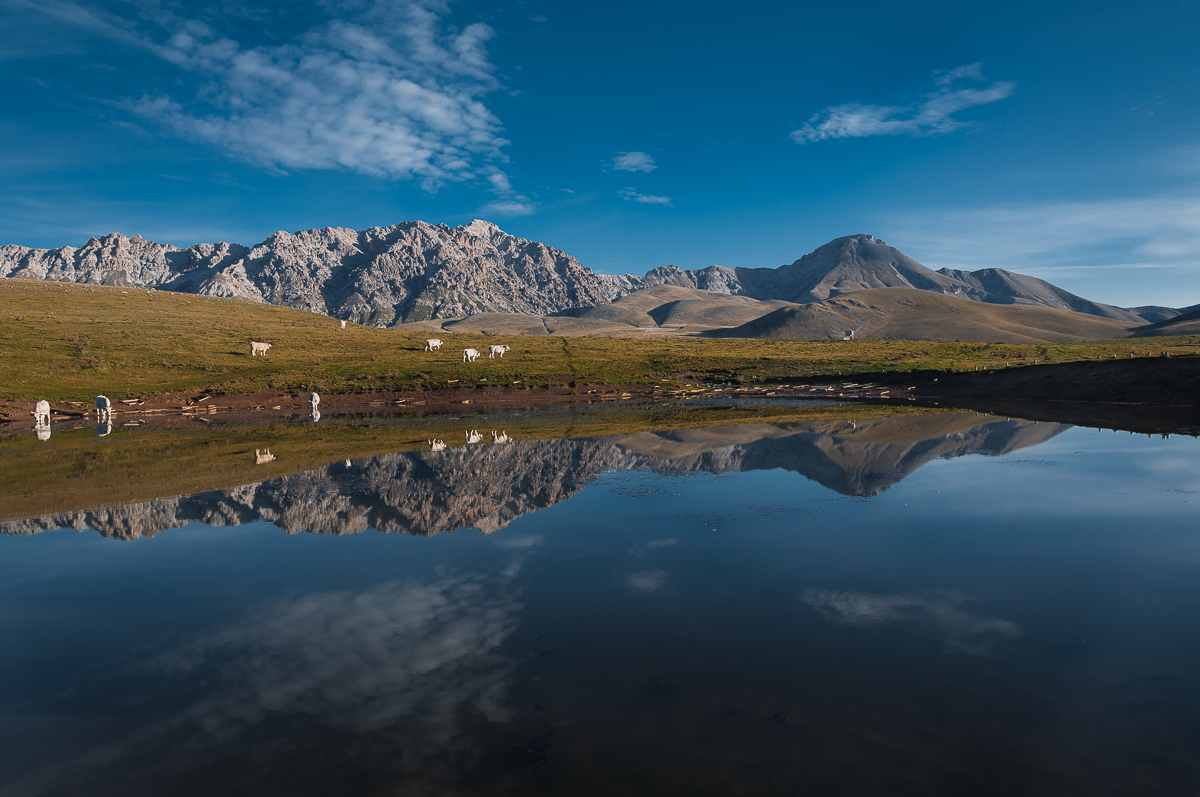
(380, 276)
(488, 487)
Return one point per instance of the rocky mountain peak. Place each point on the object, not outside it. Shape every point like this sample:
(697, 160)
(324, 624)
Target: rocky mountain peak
(481, 228)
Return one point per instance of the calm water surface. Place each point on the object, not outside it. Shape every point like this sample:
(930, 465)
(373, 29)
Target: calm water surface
(962, 605)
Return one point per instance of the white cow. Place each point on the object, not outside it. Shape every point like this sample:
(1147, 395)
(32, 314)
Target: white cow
(500, 438)
(469, 355)
(263, 457)
(41, 415)
(342, 323)
(436, 445)
(313, 401)
(257, 348)
(473, 437)
(103, 409)
(433, 344)
(494, 350)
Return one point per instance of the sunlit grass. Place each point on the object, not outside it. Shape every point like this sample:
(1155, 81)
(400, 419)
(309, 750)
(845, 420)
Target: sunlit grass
(65, 341)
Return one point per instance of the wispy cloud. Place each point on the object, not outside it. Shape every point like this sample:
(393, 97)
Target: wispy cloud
(634, 162)
(388, 89)
(1088, 244)
(645, 199)
(931, 115)
(960, 630)
(646, 580)
(509, 207)
(1149, 231)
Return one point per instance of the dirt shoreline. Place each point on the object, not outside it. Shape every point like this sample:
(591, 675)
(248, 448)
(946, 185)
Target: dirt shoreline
(1144, 382)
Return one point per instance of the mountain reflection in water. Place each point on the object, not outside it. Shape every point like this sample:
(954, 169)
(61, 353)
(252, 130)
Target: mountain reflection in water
(487, 487)
(992, 624)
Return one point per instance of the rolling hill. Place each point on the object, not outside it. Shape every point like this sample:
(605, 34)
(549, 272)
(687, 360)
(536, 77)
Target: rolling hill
(910, 314)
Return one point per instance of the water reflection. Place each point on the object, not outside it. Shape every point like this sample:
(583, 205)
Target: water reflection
(960, 630)
(489, 486)
(424, 652)
(991, 625)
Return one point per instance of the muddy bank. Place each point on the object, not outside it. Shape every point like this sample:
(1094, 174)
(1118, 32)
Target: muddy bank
(1136, 418)
(1173, 381)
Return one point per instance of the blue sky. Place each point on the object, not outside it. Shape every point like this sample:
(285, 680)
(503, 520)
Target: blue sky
(1055, 139)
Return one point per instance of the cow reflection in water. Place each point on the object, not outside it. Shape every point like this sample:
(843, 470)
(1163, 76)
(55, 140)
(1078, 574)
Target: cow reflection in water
(104, 429)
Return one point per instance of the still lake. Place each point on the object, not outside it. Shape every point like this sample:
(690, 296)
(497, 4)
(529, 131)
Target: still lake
(958, 604)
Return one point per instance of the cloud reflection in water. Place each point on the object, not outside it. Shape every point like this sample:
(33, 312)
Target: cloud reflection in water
(960, 630)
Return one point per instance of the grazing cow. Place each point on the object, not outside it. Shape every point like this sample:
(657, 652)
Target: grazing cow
(314, 400)
(500, 438)
(342, 324)
(494, 350)
(257, 348)
(436, 445)
(41, 415)
(263, 457)
(473, 437)
(103, 409)
(347, 463)
(469, 355)
(433, 344)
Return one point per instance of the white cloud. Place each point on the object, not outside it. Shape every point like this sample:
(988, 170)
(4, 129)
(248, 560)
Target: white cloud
(634, 162)
(932, 115)
(961, 631)
(1092, 241)
(387, 89)
(646, 580)
(509, 207)
(645, 199)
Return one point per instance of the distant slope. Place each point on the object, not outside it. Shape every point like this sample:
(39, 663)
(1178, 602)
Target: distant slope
(1187, 323)
(863, 262)
(909, 314)
(671, 306)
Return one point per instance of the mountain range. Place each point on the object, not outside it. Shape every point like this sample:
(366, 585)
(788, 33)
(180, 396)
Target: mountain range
(415, 271)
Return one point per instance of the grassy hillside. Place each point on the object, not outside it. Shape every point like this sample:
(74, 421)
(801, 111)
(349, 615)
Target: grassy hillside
(65, 341)
(910, 314)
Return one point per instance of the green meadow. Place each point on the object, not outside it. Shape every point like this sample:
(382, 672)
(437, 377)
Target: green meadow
(64, 341)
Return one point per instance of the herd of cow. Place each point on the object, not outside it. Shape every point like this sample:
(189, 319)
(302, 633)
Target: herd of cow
(433, 344)
(41, 412)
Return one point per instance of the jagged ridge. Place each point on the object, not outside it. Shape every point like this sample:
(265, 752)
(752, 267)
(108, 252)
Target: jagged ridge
(413, 271)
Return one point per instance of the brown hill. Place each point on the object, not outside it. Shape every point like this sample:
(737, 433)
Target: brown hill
(911, 314)
(673, 306)
(1186, 324)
